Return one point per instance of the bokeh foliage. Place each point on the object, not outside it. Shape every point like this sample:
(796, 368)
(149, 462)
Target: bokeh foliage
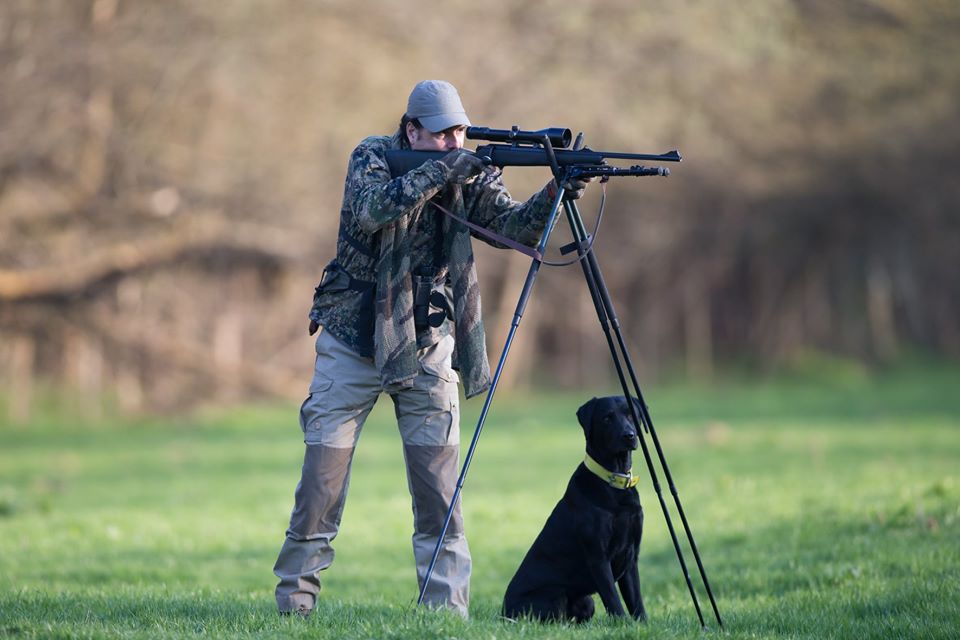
(170, 173)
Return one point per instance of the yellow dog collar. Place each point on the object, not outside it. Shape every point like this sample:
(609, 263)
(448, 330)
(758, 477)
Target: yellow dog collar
(616, 480)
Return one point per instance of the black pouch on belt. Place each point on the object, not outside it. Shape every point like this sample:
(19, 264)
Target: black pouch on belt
(335, 278)
(431, 305)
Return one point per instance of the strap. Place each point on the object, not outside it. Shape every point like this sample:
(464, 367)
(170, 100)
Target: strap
(615, 480)
(365, 319)
(353, 284)
(438, 245)
(492, 235)
(357, 245)
(360, 285)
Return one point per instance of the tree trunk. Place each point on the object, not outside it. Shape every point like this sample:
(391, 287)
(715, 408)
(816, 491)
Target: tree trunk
(880, 316)
(22, 360)
(697, 330)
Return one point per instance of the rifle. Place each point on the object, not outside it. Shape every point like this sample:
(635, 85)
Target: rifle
(543, 148)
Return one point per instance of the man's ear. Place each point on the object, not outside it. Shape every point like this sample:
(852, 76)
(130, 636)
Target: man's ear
(411, 131)
(585, 415)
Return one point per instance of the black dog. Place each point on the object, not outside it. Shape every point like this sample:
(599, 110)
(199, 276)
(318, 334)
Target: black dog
(591, 540)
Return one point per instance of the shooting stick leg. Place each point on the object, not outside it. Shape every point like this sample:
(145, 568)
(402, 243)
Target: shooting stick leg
(514, 325)
(607, 317)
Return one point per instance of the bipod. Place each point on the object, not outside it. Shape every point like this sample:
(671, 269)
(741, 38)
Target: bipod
(610, 324)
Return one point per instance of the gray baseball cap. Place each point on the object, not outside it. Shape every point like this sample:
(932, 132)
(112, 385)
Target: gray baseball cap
(437, 105)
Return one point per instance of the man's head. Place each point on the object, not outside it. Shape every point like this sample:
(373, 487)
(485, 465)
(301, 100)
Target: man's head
(435, 119)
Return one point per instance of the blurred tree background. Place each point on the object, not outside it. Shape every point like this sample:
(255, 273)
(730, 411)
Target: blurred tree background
(171, 174)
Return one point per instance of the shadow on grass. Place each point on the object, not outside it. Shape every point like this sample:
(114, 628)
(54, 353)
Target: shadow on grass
(829, 574)
(825, 577)
(153, 610)
(872, 575)
(159, 613)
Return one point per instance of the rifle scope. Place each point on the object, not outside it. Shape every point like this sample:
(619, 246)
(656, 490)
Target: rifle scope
(559, 137)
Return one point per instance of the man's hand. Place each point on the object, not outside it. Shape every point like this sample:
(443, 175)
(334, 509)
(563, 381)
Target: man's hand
(574, 187)
(462, 166)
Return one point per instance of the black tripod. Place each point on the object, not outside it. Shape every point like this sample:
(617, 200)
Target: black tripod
(618, 351)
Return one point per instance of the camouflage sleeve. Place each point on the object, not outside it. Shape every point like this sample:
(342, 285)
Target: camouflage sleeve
(489, 204)
(376, 199)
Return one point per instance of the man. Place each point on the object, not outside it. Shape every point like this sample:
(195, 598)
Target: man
(399, 309)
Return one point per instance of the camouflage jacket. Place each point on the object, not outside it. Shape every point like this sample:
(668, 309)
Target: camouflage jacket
(388, 235)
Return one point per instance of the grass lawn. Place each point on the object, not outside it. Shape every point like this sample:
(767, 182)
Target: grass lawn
(822, 510)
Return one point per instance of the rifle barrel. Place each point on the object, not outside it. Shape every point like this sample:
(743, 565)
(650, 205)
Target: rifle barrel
(669, 156)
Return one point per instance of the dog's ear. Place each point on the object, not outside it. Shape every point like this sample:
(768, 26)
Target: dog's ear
(639, 409)
(585, 415)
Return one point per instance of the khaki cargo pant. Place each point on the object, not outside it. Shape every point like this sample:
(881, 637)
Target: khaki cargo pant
(344, 389)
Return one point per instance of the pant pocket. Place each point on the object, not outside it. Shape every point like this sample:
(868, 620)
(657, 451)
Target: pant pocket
(312, 408)
(429, 414)
(303, 410)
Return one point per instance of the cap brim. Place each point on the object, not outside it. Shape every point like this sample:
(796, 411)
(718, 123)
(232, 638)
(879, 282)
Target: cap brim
(444, 121)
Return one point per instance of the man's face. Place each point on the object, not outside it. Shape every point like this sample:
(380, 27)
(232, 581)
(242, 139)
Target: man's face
(423, 139)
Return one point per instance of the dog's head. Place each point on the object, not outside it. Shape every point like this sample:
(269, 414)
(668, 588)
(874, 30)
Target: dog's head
(608, 427)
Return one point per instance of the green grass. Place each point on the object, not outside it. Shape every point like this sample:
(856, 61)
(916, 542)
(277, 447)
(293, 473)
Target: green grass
(825, 509)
